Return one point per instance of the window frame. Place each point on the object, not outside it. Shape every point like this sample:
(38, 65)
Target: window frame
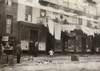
(11, 25)
(27, 13)
(80, 21)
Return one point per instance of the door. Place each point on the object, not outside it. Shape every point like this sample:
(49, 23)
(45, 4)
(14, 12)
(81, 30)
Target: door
(33, 39)
(64, 43)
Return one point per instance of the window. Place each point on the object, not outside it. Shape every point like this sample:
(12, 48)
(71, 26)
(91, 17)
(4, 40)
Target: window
(9, 23)
(56, 18)
(8, 2)
(80, 21)
(42, 13)
(65, 22)
(88, 23)
(84, 22)
(28, 14)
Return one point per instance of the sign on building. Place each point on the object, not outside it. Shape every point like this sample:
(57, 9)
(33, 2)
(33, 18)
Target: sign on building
(24, 45)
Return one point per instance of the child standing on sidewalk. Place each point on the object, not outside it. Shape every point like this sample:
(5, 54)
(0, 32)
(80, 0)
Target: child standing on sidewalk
(51, 53)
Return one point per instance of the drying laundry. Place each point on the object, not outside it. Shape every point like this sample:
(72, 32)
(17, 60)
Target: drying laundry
(58, 31)
(51, 26)
(68, 28)
(87, 30)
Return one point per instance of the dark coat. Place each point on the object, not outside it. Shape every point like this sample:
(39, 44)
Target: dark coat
(18, 50)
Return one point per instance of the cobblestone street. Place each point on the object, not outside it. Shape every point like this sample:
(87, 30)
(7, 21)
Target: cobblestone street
(57, 63)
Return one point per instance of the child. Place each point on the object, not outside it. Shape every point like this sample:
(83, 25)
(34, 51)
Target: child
(51, 53)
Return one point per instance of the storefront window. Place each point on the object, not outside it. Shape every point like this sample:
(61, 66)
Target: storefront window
(71, 45)
(58, 47)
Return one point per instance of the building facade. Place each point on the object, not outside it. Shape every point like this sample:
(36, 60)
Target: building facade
(61, 25)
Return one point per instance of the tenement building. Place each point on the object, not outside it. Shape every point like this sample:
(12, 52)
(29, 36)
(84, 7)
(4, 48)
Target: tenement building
(64, 26)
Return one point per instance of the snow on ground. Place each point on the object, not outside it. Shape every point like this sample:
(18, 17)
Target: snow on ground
(57, 63)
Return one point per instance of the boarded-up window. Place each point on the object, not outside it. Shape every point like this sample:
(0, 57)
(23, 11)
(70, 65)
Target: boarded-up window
(28, 14)
(9, 20)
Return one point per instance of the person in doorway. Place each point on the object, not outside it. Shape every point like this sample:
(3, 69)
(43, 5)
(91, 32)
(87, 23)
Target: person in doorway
(18, 52)
(31, 53)
(36, 49)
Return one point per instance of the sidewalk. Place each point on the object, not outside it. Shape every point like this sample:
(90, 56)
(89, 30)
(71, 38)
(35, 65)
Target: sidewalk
(57, 63)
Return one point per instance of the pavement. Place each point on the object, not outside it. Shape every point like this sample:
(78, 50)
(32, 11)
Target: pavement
(56, 63)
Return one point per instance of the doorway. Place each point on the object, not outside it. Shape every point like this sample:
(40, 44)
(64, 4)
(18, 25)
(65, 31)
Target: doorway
(33, 39)
(49, 43)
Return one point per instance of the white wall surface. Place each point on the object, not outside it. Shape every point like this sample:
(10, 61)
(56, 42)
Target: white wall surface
(21, 13)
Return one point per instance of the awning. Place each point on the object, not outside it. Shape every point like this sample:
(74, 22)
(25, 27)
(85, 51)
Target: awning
(29, 24)
(6, 34)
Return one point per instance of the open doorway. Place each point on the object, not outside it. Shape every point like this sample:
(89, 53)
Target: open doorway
(33, 39)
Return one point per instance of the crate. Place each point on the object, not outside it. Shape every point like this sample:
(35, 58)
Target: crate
(3, 59)
(74, 58)
(10, 59)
